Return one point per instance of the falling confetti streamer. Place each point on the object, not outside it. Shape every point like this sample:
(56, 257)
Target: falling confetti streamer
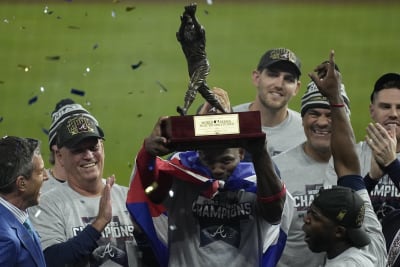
(130, 8)
(1, 118)
(137, 65)
(53, 57)
(164, 89)
(77, 92)
(72, 27)
(45, 131)
(33, 100)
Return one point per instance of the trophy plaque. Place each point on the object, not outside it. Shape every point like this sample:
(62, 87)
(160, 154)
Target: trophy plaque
(212, 131)
(188, 132)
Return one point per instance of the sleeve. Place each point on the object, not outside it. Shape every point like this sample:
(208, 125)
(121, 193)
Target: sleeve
(150, 172)
(370, 183)
(393, 170)
(8, 251)
(73, 250)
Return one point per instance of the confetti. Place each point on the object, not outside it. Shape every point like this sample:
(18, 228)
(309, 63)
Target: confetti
(46, 132)
(95, 46)
(130, 8)
(113, 14)
(1, 82)
(1, 118)
(139, 115)
(73, 27)
(209, 2)
(53, 57)
(87, 70)
(33, 100)
(41, 89)
(47, 11)
(137, 65)
(162, 86)
(24, 67)
(77, 92)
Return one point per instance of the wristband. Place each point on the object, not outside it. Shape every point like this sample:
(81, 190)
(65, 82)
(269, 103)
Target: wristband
(337, 105)
(273, 197)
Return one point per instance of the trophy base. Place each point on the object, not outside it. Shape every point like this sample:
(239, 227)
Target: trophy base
(212, 131)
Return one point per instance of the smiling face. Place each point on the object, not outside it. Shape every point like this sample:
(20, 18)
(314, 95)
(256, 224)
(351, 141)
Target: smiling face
(317, 128)
(275, 86)
(83, 163)
(385, 109)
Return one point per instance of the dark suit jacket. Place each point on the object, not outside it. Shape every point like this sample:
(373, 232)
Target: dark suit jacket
(17, 248)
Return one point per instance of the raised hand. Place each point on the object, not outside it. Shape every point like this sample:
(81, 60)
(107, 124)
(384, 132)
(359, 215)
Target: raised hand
(156, 144)
(329, 85)
(104, 215)
(383, 143)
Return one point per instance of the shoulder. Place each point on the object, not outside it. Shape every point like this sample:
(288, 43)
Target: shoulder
(293, 152)
(294, 114)
(119, 191)
(241, 107)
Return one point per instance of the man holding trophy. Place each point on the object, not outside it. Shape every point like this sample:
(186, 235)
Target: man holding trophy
(203, 206)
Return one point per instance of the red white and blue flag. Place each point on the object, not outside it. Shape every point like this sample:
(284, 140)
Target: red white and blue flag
(152, 218)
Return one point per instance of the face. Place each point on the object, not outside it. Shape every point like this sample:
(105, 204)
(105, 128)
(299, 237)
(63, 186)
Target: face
(84, 162)
(34, 183)
(221, 162)
(275, 87)
(385, 109)
(319, 230)
(317, 128)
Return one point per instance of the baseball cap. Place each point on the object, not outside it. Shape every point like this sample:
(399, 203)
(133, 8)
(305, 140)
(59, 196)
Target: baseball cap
(380, 83)
(312, 98)
(279, 55)
(77, 128)
(64, 108)
(346, 208)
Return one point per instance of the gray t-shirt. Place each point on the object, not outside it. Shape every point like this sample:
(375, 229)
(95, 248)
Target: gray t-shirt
(63, 213)
(50, 183)
(352, 257)
(304, 177)
(287, 134)
(223, 231)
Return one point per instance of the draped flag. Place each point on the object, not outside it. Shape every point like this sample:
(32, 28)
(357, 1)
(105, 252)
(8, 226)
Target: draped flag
(152, 218)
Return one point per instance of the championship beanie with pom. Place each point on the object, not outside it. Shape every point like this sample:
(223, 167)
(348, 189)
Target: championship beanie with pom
(64, 109)
(314, 99)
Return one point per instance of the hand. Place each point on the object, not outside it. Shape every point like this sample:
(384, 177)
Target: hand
(223, 99)
(255, 146)
(329, 85)
(105, 208)
(383, 143)
(156, 144)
